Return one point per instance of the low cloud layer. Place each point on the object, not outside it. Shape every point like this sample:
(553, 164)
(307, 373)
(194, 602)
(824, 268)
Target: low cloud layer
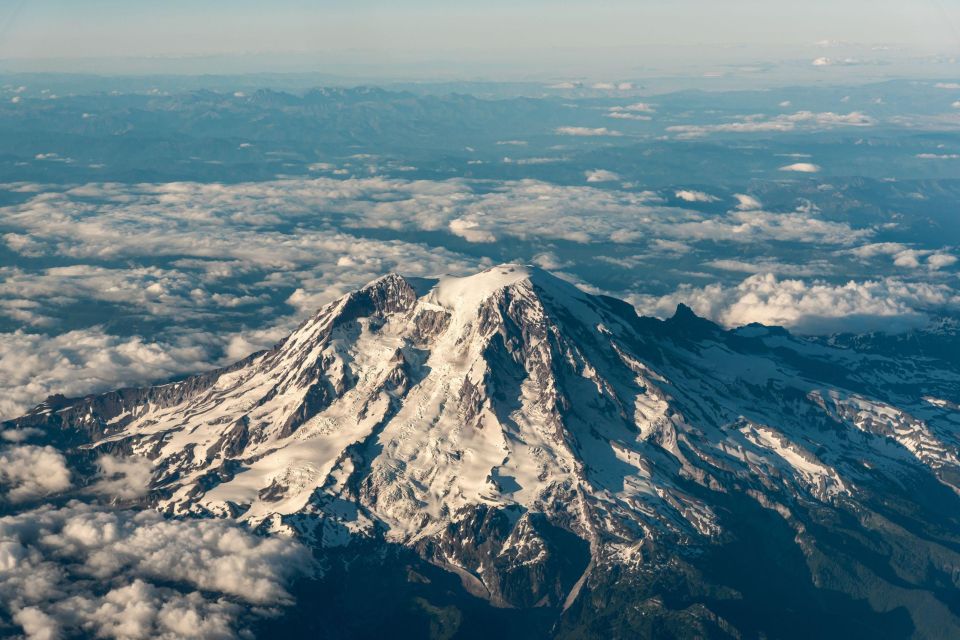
(83, 570)
(33, 366)
(130, 284)
(29, 472)
(802, 167)
(801, 120)
(587, 131)
(810, 307)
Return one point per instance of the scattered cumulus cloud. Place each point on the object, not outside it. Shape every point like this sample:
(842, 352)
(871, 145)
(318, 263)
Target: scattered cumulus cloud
(766, 265)
(810, 307)
(939, 261)
(35, 366)
(688, 195)
(216, 257)
(746, 202)
(635, 111)
(83, 570)
(587, 131)
(470, 230)
(802, 167)
(780, 123)
(905, 256)
(601, 175)
(28, 472)
(122, 478)
(825, 61)
(225, 278)
(627, 115)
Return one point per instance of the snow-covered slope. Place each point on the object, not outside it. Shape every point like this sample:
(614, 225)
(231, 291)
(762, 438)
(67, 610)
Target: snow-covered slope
(414, 412)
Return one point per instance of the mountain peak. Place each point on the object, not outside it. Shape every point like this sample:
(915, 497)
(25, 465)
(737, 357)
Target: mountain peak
(686, 320)
(470, 291)
(492, 419)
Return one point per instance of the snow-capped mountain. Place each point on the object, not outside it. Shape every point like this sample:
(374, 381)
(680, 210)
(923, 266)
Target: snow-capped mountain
(554, 450)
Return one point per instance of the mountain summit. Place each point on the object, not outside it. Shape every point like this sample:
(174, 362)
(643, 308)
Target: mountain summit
(557, 452)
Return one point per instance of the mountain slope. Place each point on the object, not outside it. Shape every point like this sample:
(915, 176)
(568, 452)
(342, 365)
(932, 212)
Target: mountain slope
(554, 450)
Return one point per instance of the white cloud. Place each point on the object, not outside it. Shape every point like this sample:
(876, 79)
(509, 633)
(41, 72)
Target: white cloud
(780, 123)
(587, 131)
(867, 251)
(470, 230)
(210, 237)
(20, 435)
(601, 175)
(695, 196)
(33, 366)
(825, 61)
(819, 267)
(905, 257)
(626, 115)
(802, 167)
(122, 478)
(938, 261)
(815, 307)
(909, 258)
(532, 160)
(746, 202)
(642, 107)
(225, 260)
(669, 246)
(124, 574)
(28, 472)
(953, 86)
(635, 111)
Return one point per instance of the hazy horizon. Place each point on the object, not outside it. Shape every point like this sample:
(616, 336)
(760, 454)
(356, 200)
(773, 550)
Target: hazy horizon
(532, 41)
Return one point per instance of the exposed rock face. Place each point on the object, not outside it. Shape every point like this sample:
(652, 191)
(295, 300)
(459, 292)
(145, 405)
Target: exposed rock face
(538, 442)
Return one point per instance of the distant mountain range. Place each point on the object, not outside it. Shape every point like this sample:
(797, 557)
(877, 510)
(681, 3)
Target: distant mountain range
(505, 455)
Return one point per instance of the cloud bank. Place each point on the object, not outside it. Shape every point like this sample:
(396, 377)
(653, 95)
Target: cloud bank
(82, 570)
(810, 307)
(203, 274)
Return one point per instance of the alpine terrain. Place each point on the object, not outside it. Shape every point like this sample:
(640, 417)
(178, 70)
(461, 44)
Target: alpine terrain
(505, 455)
